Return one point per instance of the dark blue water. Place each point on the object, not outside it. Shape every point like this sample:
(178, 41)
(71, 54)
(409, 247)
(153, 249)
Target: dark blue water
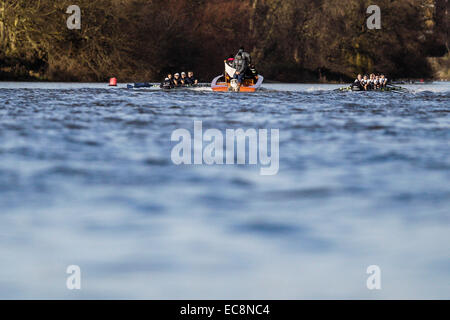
(86, 178)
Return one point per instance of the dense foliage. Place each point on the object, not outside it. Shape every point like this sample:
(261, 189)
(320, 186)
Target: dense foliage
(291, 40)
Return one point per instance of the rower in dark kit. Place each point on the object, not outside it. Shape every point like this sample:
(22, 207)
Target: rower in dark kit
(166, 84)
(170, 79)
(184, 80)
(358, 83)
(177, 80)
(191, 79)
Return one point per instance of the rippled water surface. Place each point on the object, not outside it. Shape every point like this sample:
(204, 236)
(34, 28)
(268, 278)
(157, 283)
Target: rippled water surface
(86, 179)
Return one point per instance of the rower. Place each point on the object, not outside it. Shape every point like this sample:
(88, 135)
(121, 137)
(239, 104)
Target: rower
(169, 76)
(358, 83)
(177, 80)
(383, 81)
(166, 84)
(371, 81)
(375, 83)
(184, 80)
(366, 83)
(191, 79)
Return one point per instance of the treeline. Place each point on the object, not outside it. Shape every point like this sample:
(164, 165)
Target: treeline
(291, 40)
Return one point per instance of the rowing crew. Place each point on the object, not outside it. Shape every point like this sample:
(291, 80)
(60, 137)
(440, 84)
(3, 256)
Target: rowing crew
(179, 81)
(372, 82)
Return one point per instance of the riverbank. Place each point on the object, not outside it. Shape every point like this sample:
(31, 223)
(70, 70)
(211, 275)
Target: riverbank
(441, 67)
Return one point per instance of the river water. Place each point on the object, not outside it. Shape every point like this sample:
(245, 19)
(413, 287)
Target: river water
(87, 179)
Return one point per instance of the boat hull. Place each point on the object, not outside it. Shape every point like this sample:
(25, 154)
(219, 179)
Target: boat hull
(388, 88)
(141, 85)
(219, 84)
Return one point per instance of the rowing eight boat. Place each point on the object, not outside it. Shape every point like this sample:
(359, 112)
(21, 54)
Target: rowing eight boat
(141, 85)
(385, 89)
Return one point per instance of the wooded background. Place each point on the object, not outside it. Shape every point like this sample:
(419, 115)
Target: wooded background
(291, 40)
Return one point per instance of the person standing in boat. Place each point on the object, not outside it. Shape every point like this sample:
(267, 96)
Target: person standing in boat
(246, 56)
(240, 65)
(248, 60)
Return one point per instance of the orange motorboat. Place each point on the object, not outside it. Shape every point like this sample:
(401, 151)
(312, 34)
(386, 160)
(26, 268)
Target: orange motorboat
(226, 82)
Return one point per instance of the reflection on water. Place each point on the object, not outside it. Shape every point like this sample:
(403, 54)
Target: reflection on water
(86, 179)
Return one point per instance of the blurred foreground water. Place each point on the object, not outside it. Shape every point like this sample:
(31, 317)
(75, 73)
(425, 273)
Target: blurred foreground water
(86, 179)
